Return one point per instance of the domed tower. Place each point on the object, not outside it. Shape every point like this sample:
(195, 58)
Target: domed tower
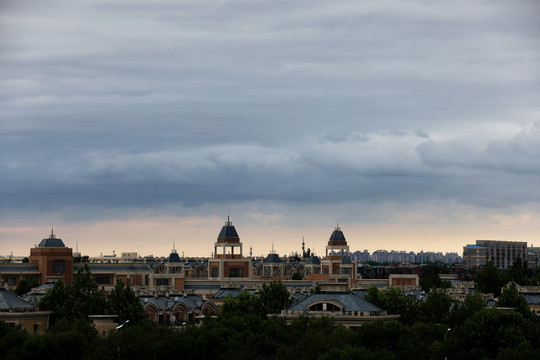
(228, 261)
(337, 264)
(227, 241)
(54, 260)
(337, 244)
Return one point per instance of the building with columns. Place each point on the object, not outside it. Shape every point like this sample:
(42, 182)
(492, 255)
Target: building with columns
(337, 264)
(228, 261)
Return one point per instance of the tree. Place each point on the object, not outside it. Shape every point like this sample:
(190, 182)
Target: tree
(81, 299)
(123, 302)
(487, 332)
(88, 298)
(462, 311)
(58, 300)
(394, 301)
(297, 276)
(511, 297)
(244, 303)
(430, 278)
(274, 297)
(437, 306)
(25, 285)
(490, 280)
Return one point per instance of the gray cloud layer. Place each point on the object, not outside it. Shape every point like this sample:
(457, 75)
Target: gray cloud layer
(147, 103)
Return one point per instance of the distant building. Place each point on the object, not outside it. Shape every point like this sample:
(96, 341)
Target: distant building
(53, 259)
(347, 308)
(15, 311)
(501, 253)
(228, 261)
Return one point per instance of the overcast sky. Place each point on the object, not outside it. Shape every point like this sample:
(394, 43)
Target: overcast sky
(130, 125)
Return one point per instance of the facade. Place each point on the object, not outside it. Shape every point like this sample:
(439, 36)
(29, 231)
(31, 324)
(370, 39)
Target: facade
(53, 259)
(501, 253)
(176, 310)
(347, 308)
(228, 261)
(337, 264)
(175, 276)
(15, 311)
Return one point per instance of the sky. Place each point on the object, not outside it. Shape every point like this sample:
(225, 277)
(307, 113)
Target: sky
(141, 125)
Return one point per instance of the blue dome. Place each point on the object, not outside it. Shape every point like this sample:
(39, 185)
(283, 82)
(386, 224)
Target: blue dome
(228, 231)
(174, 257)
(346, 260)
(51, 241)
(272, 258)
(337, 235)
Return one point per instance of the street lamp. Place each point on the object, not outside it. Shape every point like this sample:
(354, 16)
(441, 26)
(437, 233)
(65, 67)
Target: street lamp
(445, 336)
(118, 328)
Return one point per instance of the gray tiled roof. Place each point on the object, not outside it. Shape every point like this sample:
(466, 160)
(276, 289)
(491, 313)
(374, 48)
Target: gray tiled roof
(168, 302)
(223, 293)
(52, 242)
(532, 299)
(350, 301)
(18, 267)
(174, 258)
(10, 301)
(113, 267)
(337, 235)
(272, 258)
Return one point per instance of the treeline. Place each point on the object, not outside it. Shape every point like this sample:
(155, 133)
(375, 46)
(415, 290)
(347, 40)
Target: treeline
(436, 328)
(476, 334)
(75, 302)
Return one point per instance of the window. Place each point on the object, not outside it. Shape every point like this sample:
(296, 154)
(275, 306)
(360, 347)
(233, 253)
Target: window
(102, 280)
(324, 307)
(162, 282)
(215, 272)
(11, 281)
(235, 272)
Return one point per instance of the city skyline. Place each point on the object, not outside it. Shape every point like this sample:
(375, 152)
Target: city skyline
(130, 126)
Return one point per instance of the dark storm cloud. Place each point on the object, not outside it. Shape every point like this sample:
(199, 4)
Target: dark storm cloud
(142, 104)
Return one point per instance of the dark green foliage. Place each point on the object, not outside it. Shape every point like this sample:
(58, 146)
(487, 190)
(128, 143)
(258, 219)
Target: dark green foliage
(510, 297)
(87, 297)
(58, 300)
(297, 276)
(395, 302)
(123, 302)
(521, 274)
(462, 311)
(437, 306)
(487, 332)
(244, 303)
(490, 280)
(274, 297)
(25, 285)
(429, 278)
(359, 353)
(78, 301)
